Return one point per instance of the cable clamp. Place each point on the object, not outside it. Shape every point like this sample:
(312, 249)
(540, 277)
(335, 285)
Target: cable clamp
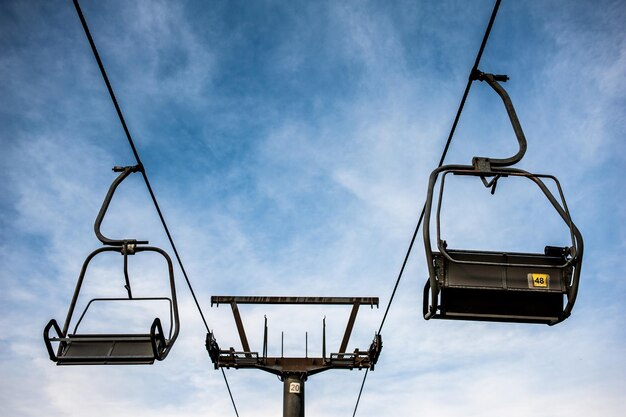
(477, 74)
(134, 168)
(128, 247)
(481, 164)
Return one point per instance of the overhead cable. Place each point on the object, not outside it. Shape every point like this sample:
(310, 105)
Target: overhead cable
(472, 77)
(136, 154)
(229, 392)
(143, 173)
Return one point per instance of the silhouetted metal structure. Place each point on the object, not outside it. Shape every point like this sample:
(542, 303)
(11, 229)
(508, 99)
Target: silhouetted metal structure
(500, 286)
(294, 371)
(75, 348)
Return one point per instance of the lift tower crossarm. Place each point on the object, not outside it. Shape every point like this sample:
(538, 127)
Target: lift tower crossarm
(219, 299)
(293, 371)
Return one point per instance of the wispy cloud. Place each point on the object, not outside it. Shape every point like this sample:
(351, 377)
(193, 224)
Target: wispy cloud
(289, 146)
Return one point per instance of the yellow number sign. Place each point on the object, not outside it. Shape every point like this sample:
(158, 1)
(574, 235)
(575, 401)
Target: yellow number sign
(539, 280)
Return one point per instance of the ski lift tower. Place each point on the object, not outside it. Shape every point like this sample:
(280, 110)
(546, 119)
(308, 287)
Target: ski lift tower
(294, 371)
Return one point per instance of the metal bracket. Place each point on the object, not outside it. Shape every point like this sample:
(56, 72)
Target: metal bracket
(481, 164)
(283, 366)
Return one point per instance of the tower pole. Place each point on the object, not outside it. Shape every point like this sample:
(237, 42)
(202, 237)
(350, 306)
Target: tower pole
(293, 394)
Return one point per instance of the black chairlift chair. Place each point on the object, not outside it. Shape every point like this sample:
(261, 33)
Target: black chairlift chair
(500, 286)
(76, 348)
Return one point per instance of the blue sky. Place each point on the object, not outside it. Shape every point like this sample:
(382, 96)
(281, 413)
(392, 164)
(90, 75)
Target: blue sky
(289, 145)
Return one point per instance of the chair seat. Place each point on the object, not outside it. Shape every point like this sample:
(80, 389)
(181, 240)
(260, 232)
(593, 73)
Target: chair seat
(496, 286)
(500, 270)
(106, 349)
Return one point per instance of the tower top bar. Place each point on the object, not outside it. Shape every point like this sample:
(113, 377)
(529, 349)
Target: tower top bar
(220, 299)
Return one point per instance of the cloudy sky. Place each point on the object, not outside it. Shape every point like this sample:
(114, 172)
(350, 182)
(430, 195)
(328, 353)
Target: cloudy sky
(289, 145)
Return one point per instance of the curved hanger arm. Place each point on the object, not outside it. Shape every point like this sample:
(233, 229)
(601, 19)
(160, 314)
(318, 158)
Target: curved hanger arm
(124, 172)
(492, 80)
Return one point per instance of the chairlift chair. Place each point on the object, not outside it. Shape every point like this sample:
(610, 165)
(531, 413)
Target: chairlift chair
(76, 348)
(500, 286)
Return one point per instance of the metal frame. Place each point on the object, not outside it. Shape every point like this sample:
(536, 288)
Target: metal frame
(114, 348)
(294, 371)
(280, 365)
(496, 169)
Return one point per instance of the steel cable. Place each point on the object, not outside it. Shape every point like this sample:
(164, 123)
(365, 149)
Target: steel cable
(470, 80)
(229, 392)
(136, 154)
(143, 173)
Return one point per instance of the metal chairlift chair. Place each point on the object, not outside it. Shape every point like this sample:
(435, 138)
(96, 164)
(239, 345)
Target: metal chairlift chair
(500, 286)
(77, 348)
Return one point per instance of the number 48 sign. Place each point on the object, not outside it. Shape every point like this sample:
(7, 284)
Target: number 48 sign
(539, 281)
